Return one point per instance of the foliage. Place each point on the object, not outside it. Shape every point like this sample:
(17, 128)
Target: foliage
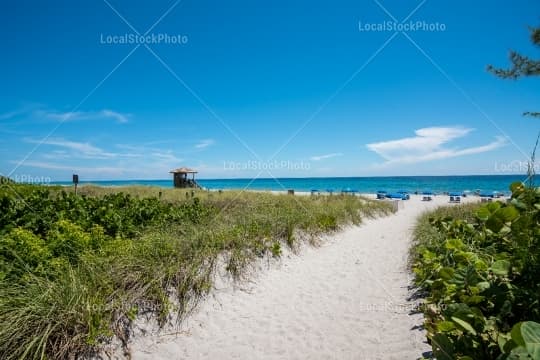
(76, 270)
(481, 279)
(521, 65)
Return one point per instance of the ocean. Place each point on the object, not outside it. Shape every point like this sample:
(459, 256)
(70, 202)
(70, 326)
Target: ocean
(485, 183)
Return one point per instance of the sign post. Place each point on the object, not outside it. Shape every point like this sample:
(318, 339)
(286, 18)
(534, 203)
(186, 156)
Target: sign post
(75, 181)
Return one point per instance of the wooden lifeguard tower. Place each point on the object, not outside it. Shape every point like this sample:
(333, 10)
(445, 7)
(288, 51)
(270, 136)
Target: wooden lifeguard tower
(181, 179)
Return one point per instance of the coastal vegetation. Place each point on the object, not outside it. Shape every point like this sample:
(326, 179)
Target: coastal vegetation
(477, 267)
(76, 270)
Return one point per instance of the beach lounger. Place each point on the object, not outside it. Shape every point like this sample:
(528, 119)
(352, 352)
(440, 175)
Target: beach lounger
(427, 196)
(455, 197)
(486, 197)
(398, 196)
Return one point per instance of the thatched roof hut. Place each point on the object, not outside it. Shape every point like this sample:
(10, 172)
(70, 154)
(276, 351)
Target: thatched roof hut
(180, 178)
(183, 170)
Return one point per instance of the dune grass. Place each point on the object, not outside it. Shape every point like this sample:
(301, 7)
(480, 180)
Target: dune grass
(77, 270)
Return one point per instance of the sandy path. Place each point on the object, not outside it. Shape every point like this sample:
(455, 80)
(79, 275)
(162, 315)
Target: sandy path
(344, 300)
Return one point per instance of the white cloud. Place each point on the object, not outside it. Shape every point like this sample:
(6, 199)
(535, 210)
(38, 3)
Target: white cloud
(78, 149)
(119, 117)
(94, 162)
(323, 157)
(428, 145)
(204, 143)
(84, 115)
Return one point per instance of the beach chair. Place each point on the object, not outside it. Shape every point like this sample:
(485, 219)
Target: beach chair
(455, 197)
(405, 194)
(427, 196)
(486, 197)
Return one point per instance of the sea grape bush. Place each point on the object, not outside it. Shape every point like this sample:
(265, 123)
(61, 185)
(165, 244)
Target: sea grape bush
(483, 281)
(42, 229)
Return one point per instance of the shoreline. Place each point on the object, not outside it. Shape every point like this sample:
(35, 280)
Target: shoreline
(412, 184)
(370, 195)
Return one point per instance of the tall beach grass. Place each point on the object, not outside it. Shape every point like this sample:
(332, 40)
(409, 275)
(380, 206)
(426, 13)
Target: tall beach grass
(60, 306)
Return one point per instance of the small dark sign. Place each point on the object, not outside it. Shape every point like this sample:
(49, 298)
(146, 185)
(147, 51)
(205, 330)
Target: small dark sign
(75, 178)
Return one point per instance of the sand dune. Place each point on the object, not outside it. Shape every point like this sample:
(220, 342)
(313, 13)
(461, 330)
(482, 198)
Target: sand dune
(344, 300)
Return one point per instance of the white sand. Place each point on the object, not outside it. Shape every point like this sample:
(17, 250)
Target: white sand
(344, 300)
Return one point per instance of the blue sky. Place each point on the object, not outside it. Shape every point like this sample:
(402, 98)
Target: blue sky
(248, 88)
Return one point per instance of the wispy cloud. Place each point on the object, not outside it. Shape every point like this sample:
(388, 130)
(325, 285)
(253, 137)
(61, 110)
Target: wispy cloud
(36, 111)
(78, 149)
(93, 162)
(21, 111)
(429, 144)
(204, 143)
(166, 156)
(84, 115)
(323, 157)
(11, 114)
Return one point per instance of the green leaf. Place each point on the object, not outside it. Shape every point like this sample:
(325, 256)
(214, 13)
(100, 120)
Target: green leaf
(502, 340)
(494, 223)
(443, 349)
(508, 213)
(527, 335)
(493, 206)
(483, 285)
(516, 334)
(480, 265)
(500, 267)
(446, 273)
(483, 213)
(453, 244)
(445, 326)
(464, 325)
(518, 353)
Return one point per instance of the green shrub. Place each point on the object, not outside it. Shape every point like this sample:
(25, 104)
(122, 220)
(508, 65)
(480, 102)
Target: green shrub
(76, 270)
(480, 274)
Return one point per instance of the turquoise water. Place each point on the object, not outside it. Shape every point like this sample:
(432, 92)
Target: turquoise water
(487, 183)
